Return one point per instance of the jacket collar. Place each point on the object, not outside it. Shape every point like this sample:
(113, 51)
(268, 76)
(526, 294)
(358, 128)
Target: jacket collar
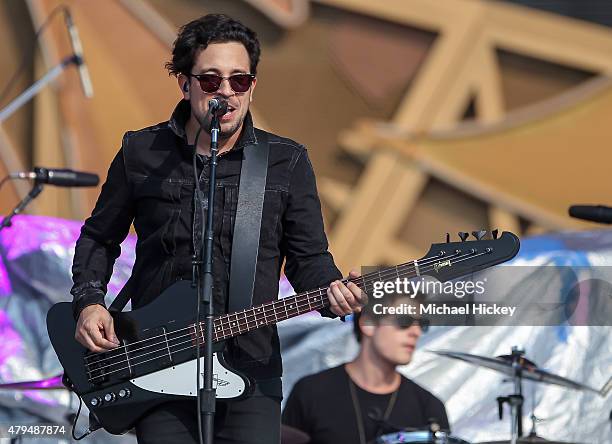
(181, 114)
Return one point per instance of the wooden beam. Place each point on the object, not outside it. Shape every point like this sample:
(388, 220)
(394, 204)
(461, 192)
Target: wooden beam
(387, 190)
(426, 14)
(336, 194)
(503, 220)
(551, 37)
(291, 17)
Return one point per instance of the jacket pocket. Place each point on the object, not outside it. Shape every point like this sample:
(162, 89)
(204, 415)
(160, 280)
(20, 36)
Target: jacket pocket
(156, 202)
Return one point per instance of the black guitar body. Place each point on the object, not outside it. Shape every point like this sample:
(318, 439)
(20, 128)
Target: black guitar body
(109, 384)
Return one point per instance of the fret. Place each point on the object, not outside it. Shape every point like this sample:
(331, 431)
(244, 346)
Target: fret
(309, 306)
(246, 320)
(229, 321)
(292, 306)
(285, 306)
(257, 319)
(265, 316)
(219, 327)
(235, 323)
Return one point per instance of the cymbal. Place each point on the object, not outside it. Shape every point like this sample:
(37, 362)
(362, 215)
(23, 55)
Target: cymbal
(53, 383)
(527, 440)
(291, 435)
(504, 364)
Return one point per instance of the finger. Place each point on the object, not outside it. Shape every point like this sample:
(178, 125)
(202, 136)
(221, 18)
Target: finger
(358, 293)
(109, 330)
(337, 291)
(354, 273)
(348, 296)
(84, 340)
(334, 302)
(96, 337)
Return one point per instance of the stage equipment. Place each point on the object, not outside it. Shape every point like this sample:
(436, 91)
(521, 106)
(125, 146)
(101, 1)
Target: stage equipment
(518, 367)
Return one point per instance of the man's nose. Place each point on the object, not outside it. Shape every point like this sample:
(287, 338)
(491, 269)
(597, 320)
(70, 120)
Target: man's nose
(415, 331)
(225, 89)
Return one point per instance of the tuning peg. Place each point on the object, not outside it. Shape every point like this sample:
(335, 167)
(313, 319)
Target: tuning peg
(479, 234)
(494, 233)
(448, 238)
(463, 236)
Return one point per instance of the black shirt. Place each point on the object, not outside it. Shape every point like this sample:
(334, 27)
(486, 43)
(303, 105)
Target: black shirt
(151, 184)
(321, 406)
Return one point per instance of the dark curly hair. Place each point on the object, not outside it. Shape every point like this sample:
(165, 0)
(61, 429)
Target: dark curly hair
(211, 28)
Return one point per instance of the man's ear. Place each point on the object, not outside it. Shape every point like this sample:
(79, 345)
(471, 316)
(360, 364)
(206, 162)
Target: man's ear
(367, 327)
(252, 89)
(183, 82)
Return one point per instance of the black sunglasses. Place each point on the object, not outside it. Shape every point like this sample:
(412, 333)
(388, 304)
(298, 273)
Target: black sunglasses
(211, 83)
(404, 321)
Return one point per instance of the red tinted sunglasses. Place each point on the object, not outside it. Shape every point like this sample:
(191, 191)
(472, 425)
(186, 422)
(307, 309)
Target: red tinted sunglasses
(211, 83)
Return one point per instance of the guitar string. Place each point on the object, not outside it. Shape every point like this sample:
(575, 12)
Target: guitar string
(132, 362)
(228, 322)
(257, 311)
(224, 336)
(223, 325)
(382, 274)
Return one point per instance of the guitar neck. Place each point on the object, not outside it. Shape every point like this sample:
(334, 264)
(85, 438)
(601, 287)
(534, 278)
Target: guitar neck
(233, 324)
(441, 263)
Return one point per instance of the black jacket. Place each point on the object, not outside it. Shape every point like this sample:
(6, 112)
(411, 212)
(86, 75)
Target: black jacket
(150, 184)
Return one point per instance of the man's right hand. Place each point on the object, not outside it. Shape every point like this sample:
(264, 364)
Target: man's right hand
(95, 329)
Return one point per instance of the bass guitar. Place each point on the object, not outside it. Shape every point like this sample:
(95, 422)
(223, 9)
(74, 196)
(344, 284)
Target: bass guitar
(156, 359)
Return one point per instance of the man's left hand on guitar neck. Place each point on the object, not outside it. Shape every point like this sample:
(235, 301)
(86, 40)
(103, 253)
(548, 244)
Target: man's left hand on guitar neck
(346, 299)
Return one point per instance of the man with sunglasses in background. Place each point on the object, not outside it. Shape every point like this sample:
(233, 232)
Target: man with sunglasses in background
(358, 401)
(150, 183)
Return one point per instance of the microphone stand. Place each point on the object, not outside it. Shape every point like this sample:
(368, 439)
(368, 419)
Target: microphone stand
(203, 274)
(35, 88)
(35, 191)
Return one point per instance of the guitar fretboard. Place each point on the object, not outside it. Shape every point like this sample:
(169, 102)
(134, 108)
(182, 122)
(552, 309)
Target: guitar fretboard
(233, 324)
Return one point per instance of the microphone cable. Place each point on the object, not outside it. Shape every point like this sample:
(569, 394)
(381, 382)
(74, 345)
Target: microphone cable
(24, 59)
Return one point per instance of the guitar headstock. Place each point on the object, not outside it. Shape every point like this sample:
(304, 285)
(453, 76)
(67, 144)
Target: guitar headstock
(449, 260)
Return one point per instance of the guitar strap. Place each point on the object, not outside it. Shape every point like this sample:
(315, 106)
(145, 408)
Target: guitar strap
(245, 244)
(247, 226)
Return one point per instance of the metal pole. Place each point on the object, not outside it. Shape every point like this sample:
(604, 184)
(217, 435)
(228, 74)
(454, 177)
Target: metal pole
(35, 88)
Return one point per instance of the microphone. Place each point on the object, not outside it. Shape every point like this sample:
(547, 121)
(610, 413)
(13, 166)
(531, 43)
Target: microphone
(217, 107)
(59, 177)
(593, 213)
(77, 49)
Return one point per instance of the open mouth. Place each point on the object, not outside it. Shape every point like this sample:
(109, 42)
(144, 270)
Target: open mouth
(229, 113)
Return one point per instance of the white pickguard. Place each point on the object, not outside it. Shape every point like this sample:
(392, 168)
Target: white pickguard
(180, 380)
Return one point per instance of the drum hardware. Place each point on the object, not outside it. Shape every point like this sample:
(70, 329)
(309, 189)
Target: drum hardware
(420, 437)
(518, 367)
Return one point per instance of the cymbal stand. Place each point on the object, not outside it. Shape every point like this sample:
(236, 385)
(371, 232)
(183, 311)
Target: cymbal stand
(514, 400)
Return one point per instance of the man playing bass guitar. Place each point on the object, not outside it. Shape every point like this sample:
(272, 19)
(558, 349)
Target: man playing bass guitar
(150, 184)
